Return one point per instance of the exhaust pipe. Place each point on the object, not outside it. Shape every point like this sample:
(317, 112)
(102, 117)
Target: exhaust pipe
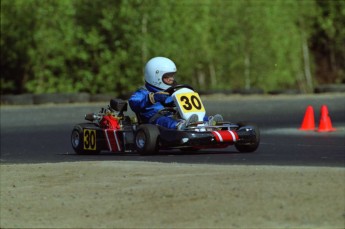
(91, 117)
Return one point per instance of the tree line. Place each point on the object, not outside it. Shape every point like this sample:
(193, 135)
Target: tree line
(101, 46)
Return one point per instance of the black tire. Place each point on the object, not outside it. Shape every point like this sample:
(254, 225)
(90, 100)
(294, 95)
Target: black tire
(77, 141)
(251, 146)
(146, 139)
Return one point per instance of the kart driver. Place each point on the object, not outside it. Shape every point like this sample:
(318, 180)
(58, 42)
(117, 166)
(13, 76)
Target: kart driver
(149, 101)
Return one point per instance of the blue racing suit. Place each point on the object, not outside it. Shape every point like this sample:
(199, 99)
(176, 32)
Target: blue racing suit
(148, 112)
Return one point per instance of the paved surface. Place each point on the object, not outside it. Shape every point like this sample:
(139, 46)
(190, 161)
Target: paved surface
(38, 134)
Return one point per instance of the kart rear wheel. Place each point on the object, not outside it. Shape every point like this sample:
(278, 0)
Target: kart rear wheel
(77, 141)
(248, 147)
(146, 139)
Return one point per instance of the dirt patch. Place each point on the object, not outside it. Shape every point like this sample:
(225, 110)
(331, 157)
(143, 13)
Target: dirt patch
(157, 195)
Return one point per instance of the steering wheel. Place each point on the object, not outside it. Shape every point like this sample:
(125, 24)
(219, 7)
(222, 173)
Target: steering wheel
(172, 89)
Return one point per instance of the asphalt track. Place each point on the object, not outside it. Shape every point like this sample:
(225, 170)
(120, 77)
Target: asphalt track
(41, 134)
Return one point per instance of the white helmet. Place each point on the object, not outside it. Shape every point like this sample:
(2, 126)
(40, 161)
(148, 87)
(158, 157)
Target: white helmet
(156, 68)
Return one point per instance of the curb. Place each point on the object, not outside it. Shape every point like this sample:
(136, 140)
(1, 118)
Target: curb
(56, 98)
(100, 97)
(330, 88)
(83, 97)
(51, 98)
(23, 99)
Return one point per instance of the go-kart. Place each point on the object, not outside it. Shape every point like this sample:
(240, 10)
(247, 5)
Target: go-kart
(112, 130)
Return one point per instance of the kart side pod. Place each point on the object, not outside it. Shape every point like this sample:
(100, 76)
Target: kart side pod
(225, 136)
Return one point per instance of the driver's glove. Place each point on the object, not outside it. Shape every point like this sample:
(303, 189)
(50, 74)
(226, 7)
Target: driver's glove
(161, 97)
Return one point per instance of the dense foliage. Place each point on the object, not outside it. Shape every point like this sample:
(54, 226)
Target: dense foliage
(101, 46)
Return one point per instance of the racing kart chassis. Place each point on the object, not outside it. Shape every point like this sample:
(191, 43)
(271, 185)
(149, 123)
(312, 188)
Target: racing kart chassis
(110, 130)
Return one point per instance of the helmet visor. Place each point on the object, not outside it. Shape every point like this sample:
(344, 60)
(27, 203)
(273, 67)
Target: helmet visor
(169, 78)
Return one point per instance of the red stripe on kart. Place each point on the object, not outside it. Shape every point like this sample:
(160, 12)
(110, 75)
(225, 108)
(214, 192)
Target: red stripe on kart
(225, 136)
(234, 135)
(217, 136)
(113, 141)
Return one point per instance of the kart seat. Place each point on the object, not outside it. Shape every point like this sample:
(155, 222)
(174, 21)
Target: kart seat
(118, 105)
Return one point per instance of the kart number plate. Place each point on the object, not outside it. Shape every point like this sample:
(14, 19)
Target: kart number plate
(190, 102)
(89, 139)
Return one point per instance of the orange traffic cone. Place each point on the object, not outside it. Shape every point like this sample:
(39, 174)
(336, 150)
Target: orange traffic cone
(325, 124)
(308, 120)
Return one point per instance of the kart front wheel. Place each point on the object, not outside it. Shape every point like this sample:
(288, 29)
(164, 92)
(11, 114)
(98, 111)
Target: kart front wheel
(249, 135)
(146, 139)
